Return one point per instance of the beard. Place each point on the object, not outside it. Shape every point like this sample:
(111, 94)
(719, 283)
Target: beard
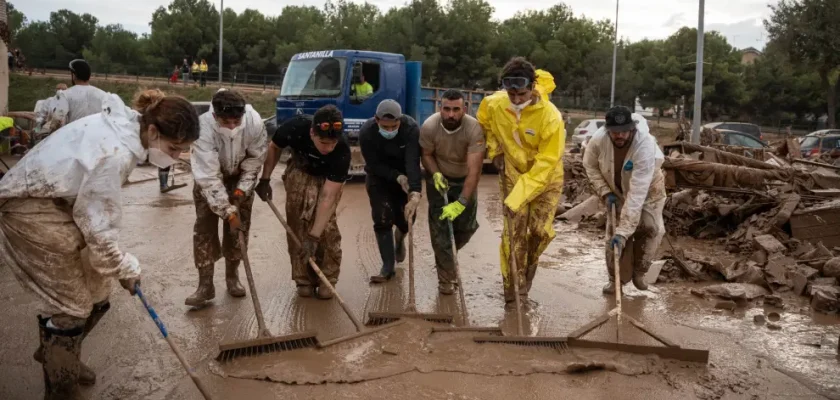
(625, 142)
(451, 124)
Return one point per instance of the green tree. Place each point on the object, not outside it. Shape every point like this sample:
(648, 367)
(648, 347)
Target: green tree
(807, 30)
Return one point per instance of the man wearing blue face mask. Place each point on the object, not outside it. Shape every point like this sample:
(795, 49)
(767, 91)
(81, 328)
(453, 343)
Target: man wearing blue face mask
(225, 162)
(391, 148)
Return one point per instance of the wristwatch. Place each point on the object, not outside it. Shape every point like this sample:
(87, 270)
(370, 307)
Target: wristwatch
(463, 200)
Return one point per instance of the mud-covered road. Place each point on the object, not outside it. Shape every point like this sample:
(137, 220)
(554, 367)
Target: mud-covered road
(748, 361)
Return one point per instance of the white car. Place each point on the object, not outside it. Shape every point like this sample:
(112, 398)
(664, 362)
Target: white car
(585, 130)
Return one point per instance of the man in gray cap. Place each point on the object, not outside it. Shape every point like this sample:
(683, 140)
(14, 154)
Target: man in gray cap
(391, 148)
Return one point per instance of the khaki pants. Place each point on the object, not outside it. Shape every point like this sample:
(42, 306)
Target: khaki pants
(41, 244)
(206, 247)
(532, 229)
(302, 193)
(641, 247)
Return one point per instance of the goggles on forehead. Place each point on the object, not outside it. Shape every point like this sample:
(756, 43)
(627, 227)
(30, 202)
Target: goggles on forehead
(515, 82)
(330, 126)
(233, 110)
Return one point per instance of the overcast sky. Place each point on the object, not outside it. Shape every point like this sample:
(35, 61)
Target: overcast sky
(739, 20)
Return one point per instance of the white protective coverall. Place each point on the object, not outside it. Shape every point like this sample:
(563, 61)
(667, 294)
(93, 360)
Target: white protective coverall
(643, 197)
(63, 196)
(78, 102)
(45, 114)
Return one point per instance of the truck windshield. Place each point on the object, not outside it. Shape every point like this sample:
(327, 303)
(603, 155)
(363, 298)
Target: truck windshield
(318, 77)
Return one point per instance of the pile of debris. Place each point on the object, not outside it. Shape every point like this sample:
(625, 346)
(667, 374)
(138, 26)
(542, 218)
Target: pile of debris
(777, 217)
(576, 186)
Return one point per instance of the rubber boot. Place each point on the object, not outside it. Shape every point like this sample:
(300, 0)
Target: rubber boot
(385, 241)
(62, 349)
(234, 288)
(305, 290)
(163, 177)
(609, 288)
(446, 288)
(639, 279)
(86, 375)
(325, 293)
(399, 244)
(206, 291)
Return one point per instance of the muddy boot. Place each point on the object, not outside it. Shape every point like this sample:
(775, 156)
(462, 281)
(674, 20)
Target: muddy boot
(510, 296)
(163, 177)
(609, 288)
(86, 375)
(305, 290)
(639, 280)
(399, 244)
(62, 349)
(446, 288)
(385, 242)
(325, 293)
(206, 291)
(234, 288)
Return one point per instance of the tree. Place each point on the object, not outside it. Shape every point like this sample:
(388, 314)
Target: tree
(807, 31)
(73, 32)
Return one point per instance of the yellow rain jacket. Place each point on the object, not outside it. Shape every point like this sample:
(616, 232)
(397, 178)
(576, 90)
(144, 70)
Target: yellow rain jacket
(532, 143)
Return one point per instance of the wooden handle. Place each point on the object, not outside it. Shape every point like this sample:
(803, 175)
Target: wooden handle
(321, 276)
(617, 275)
(412, 300)
(514, 271)
(253, 287)
(457, 266)
(190, 370)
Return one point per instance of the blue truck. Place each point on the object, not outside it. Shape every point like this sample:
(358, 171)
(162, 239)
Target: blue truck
(315, 79)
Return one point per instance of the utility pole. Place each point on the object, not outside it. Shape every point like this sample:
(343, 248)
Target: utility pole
(221, 36)
(698, 78)
(615, 53)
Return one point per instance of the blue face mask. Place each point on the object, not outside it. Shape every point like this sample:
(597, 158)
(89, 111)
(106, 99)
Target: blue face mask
(388, 134)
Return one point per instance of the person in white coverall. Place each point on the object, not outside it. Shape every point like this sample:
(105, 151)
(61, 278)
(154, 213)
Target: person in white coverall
(64, 197)
(225, 162)
(82, 99)
(623, 163)
(45, 112)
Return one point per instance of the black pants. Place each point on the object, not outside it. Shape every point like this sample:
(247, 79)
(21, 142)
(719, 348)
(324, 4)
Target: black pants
(387, 202)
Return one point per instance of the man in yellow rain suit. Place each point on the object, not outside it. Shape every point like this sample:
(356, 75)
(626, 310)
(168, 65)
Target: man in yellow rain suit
(525, 139)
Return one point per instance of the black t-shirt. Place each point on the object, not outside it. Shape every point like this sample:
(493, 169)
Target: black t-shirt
(390, 158)
(294, 133)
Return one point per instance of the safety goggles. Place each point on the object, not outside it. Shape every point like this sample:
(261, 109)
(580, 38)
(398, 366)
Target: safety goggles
(70, 66)
(331, 126)
(515, 82)
(233, 110)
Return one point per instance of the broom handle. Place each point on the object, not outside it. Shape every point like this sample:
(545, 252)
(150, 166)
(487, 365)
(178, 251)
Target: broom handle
(324, 280)
(617, 276)
(253, 287)
(175, 349)
(457, 267)
(412, 300)
(514, 272)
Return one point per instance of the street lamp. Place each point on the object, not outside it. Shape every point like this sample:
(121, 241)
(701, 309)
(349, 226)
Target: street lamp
(221, 35)
(615, 53)
(698, 78)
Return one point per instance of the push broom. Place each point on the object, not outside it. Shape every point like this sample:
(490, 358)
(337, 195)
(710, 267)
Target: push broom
(265, 342)
(360, 329)
(382, 317)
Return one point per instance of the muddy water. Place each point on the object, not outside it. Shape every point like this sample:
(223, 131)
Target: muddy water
(133, 362)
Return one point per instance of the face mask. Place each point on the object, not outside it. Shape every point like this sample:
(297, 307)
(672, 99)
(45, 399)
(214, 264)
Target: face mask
(229, 133)
(519, 107)
(388, 134)
(448, 132)
(158, 158)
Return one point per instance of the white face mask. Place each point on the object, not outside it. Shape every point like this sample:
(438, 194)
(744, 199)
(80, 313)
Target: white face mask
(448, 132)
(159, 158)
(519, 107)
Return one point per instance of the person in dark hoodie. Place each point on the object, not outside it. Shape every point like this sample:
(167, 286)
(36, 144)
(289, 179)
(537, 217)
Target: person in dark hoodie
(390, 144)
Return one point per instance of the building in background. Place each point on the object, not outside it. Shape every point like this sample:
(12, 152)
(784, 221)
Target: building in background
(749, 55)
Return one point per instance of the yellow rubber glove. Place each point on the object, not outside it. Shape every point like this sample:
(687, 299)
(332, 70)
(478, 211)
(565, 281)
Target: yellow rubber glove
(452, 210)
(440, 182)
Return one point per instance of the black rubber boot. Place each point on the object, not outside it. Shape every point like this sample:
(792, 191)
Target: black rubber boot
(206, 291)
(86, 375)
(385, 241)
(399, 244)
(234, 288)
(62, 349)
(163, 177)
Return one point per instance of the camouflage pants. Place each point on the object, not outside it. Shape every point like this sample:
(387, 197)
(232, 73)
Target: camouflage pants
(206, 247)
(527, 233)
(641, 247)
(463, 227)
(302, 194)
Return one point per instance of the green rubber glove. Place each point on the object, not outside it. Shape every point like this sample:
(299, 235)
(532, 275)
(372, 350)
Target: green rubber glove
(440, 182)
(452, 210)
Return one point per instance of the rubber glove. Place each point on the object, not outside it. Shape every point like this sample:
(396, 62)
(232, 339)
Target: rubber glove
(441, 184)
(611, 200)
(499, 162)
(452, 210)
(617, 243)
(264, 189)
(234, 222)
(130, 284)
(403, 181)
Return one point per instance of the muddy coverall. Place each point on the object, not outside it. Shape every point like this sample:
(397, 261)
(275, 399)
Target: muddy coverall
(641, 197)
(78, 102)
(532, 144)
(385, 160)
(306, 172)
(222, 163)
(60, 212)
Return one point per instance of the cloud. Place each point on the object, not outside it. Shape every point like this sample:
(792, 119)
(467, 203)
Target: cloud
(743, 34)
(676, 21)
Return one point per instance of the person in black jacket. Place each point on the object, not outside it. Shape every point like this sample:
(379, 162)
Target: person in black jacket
(391, 148)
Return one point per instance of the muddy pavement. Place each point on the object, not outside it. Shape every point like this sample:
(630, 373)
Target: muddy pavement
(132, 361)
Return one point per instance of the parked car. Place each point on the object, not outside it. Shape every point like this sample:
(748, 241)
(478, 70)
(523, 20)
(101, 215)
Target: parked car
(751, 129)
(585, 130)
(823, 141)
(735, 138)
